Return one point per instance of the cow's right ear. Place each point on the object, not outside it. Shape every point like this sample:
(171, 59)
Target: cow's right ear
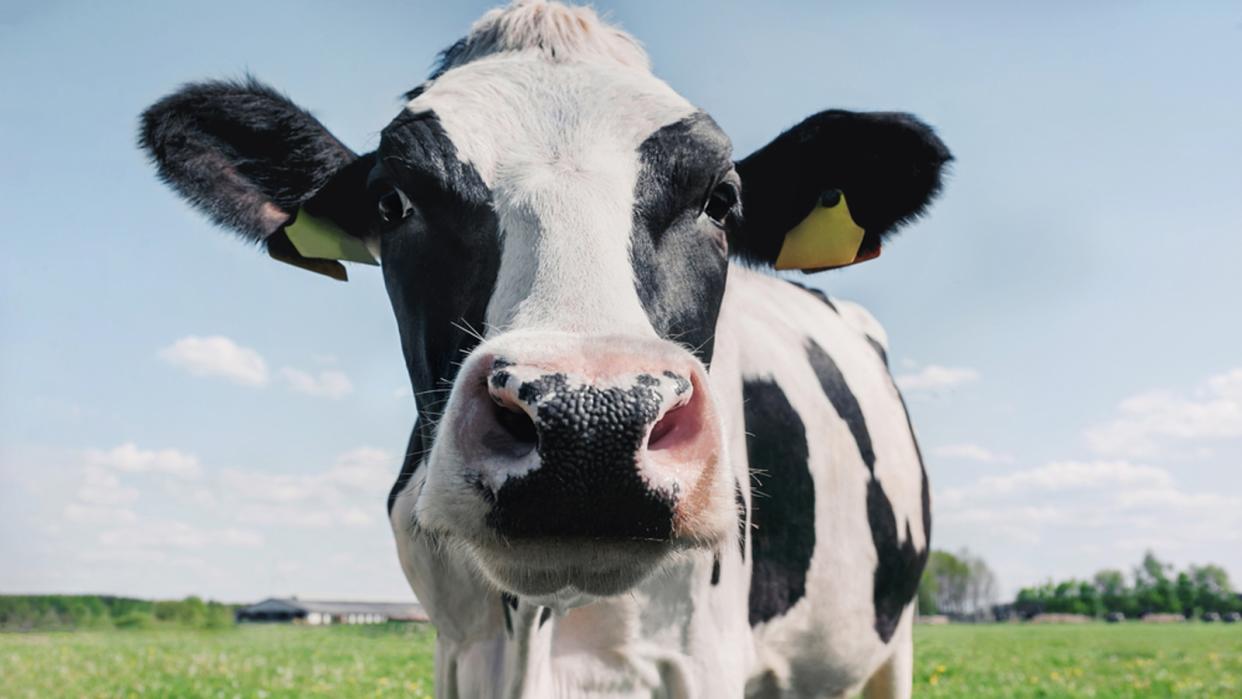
(827, 192)
(258, 164)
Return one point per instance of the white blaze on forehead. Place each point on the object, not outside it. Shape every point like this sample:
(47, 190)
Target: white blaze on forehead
(557, 144)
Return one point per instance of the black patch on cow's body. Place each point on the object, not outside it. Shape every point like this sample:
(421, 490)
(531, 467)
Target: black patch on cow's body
(926, 488)
(817, 293)
(715, 569)
(783, 509)
(900, 565)
(832, 381)
(879, 349)
(440, 264)
(588, 441)
(679, 264)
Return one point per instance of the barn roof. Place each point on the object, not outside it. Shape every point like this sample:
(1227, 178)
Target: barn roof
(392, 610)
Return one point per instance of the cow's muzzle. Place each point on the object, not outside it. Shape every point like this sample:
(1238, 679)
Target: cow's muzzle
(582, 454)
(599, 444)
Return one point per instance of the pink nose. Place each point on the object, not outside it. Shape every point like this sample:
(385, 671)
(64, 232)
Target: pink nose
(605, 450)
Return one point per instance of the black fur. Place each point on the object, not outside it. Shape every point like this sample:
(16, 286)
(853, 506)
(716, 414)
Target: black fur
(508, 602)
(782, 511)
(879, 349)
(926, 494)
(679, 261)
(817, 293)
(241, 152)
(439, 265)
(900, 565)
(888, 165)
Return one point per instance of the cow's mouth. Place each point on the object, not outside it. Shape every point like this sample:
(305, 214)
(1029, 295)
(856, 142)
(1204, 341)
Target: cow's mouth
(567, 566)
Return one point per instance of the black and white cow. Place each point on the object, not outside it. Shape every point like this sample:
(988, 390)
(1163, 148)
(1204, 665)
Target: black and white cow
(586, 508)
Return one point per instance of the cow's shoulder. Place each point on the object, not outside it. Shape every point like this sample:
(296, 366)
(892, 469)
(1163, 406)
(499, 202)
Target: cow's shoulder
(853, 315)
(774, 318)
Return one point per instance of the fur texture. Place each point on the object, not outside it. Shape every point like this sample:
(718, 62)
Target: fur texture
(240, 152)
(559, 32)
(888, 164)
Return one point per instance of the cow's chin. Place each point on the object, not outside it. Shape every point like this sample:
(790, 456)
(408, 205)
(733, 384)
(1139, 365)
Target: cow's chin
(570, 567)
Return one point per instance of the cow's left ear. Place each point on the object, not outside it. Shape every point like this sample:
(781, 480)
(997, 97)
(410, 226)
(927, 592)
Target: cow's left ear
(827, 192)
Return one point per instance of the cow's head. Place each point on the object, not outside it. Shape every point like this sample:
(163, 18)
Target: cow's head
(554, 225)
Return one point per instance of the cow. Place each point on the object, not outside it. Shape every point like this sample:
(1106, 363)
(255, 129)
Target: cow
(644, 463)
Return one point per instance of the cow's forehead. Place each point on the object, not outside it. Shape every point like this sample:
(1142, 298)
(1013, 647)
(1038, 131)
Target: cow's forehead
(520, 112)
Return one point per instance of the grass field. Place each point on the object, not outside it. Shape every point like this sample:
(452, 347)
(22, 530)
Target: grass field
(1090, 660)
(249, 662)
(1125, 660)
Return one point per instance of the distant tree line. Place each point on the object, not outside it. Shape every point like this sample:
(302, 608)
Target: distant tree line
(1155, 589)
(64, 612)
(958, 585)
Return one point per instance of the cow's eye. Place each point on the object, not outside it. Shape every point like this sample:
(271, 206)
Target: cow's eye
(720, 202)
(394, 206)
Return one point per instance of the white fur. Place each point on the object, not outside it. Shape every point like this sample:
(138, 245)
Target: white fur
(561, 33)
(564, 190)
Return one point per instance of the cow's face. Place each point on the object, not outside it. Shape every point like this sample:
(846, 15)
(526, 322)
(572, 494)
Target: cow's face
(554, 224)
(573, 217)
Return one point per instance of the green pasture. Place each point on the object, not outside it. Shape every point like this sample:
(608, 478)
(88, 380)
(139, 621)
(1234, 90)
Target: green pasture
(1130, 659)
(1091, 660)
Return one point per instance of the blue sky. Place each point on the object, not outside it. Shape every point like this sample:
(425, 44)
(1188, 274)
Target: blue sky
(180, 415)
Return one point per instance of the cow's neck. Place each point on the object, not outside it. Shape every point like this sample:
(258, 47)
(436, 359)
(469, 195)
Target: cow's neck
(671, 635)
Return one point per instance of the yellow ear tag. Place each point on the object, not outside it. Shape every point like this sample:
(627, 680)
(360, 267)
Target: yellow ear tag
(321, 239)
(827, 237)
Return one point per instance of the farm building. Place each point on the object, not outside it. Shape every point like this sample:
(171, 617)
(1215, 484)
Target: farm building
(318, 612)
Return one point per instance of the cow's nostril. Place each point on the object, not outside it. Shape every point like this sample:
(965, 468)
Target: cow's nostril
(515, 423)
(665, 430)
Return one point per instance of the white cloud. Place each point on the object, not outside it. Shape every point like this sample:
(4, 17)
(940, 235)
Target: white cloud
(970, 452)
(934, 377)
(126, 520)
(343, 494)
(217, 356)
(128, 458)
(80, 513)
(1197, 504)
(363, 469)
(172, 534)
(99, 486)
(1067, 475)
(328, 384)
(1059, 476)
(1151, 423)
